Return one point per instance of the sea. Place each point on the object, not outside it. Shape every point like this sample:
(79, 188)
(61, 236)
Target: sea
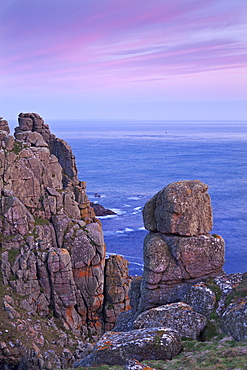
(126, 162)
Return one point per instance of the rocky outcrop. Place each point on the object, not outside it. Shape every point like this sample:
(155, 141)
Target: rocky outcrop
(178, 251)
(177, 316)
(52, 245)
(142, 344)
(232, 305)
(234, 319)
(101, 211)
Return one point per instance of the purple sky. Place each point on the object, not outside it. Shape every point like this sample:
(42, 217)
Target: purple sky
(161, 59)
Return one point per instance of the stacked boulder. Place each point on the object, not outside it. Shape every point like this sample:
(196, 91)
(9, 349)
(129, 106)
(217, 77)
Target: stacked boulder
(179, 251)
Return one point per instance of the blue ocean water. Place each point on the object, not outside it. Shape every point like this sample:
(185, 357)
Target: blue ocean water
(128, 162)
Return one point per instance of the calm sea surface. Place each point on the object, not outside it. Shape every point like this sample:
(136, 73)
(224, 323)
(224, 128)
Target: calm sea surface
(128, 162)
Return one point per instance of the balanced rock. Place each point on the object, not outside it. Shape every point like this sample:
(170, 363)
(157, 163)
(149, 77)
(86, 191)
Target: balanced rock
(179, 251)
(182, 208)
(143, 344)
(178, 316)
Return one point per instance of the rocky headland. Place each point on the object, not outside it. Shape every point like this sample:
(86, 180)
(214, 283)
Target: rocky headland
(64, 304)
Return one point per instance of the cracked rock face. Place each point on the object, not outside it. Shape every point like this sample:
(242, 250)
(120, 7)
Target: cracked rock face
(52, 245)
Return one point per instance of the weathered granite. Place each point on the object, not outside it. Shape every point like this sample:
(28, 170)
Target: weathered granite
(143, 344)
(234, 319)
(182, 208)
(179, 251)
(52, 245)
(173, 263)
(117, 284)
(178, 316)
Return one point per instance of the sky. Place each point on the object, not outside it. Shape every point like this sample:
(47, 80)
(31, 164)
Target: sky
(124, 59)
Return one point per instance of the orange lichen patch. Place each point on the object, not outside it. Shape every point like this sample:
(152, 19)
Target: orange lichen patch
(63, 251)
(216, 236)
(97, 324)
(85, 272)
(68, 314)
(53, 253)
(103, 348)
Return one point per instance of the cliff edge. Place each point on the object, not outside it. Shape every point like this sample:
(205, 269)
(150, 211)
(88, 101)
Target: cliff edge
(53, 255)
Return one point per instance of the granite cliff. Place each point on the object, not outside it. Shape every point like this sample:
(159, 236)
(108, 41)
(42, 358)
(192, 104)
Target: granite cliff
(53, 253)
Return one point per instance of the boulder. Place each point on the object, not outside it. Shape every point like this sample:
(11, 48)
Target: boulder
(143, 344)
(201, 298)
(181, 208)
(227, 284)
(172, 263)
(234, 319)
(178, 316)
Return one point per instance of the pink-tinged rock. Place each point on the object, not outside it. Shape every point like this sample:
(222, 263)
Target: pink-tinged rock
(182, 208)
(117, 283)
(177, 258)
(16, 216)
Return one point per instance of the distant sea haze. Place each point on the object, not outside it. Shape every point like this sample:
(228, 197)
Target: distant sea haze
(127, 162)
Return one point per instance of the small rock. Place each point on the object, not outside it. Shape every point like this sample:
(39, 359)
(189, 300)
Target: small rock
(136, 365)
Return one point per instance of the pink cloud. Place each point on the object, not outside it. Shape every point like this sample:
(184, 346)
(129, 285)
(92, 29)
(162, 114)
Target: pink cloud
(118, 43)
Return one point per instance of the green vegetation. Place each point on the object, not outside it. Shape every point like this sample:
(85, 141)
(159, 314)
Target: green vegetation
(17, 147)
(41, 221)
(221, 354)
(12, 254)
(218, 354)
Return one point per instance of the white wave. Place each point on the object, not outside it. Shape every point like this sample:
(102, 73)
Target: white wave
(142, 228)
(138, 208)
(108, 216)
(118, 211)
(109, 233)
(128, 229)
(133, 198)
(126, 205)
